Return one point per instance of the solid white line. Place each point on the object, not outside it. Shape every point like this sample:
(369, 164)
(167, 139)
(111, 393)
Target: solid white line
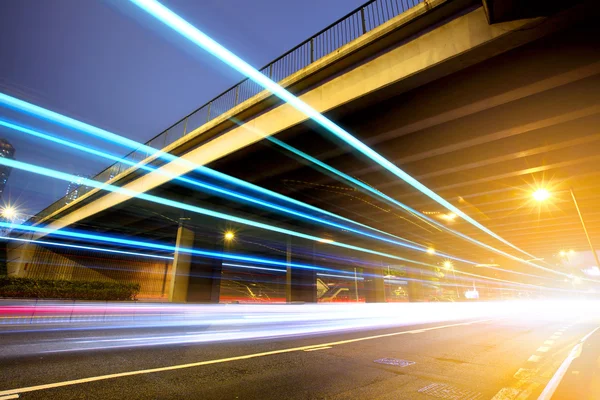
(562, 370)
(14, 396)
(217, 361)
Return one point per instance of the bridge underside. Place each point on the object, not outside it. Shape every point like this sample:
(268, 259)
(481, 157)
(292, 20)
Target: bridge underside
(483, 138)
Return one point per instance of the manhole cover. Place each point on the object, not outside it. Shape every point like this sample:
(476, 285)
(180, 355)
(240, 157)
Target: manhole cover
(449, 392)
(394, 361)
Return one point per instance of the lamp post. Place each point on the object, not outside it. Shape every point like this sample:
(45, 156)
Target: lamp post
(448, 266)
(543, 194)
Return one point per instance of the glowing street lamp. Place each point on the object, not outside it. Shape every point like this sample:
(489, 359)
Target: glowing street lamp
(229, 236)
(541, 195)
(430, 250)
(449, 266)
(9, 212)
(448, 217)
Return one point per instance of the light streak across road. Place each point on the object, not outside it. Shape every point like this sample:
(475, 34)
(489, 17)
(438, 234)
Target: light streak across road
(187, 30)
(223, 191)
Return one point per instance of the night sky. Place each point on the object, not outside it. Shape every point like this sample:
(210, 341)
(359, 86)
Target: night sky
(109, 64)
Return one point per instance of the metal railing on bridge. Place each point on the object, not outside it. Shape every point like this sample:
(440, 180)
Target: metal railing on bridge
(343, 31)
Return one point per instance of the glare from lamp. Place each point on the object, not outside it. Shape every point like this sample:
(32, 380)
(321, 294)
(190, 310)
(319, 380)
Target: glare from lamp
(229, 235)
(541, 195)
(9, 212)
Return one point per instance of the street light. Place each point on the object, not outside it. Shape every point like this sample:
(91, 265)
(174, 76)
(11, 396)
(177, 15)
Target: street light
(9, 212)
(449, 266)
(229, 236)
(448, 217)
(430, 250)
(542, 194)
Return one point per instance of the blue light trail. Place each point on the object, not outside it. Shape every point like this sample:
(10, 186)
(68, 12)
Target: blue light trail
(405, 207)
(195, 209)
(80, 247)
(217, 189)
(156, 246)
(209, 254)
(63, 120)
(187, 30)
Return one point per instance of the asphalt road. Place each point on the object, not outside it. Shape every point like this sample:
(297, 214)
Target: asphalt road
(501, 358)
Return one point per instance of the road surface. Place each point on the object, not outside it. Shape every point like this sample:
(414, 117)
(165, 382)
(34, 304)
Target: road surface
(501, 357)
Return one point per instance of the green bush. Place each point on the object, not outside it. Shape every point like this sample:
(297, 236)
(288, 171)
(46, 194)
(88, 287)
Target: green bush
(61, 289)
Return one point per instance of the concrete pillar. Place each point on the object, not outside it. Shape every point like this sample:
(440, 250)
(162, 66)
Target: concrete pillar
(179, 284)
(374, 285)
(195, 279)
(415, 287)
(301, 284)
(205, 278)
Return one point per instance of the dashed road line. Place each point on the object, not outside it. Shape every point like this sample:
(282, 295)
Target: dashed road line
(543, 349)
(527, 379)
(534, 358)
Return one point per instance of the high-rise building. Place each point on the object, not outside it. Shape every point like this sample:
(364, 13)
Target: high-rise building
(6, 151)
(75, 189)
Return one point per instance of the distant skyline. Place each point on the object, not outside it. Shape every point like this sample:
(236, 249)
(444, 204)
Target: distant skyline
(105, 63)
(6, 151)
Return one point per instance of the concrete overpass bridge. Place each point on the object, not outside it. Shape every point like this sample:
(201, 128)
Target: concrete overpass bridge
(481, 102)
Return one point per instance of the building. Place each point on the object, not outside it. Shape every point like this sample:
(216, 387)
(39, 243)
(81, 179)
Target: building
(6, 151)
(75, 189)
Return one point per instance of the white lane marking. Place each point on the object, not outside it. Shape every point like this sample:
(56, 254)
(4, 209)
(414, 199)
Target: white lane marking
(319, 348)
(217, 361)
(418, 331)
(524, 374)
(525, 394)
(506, 394)
(13, 396)
(562, 370)
(543, 349)
(557, 333)
(534, 358)
(549, 342)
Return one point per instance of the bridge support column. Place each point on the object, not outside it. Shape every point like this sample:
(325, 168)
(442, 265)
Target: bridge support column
(195, 279)
(415, 287)
(205, 278)
(303, 286)
(180, 272)
(374, 286)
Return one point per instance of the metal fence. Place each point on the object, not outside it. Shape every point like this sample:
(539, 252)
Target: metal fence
(358, 22)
